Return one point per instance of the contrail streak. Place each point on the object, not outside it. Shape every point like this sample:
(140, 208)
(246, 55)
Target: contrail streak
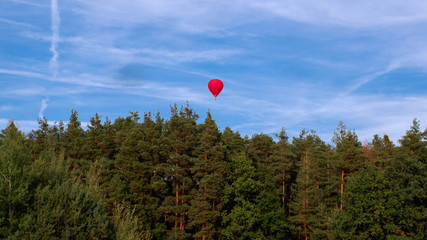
(53, 63)
(42, 108)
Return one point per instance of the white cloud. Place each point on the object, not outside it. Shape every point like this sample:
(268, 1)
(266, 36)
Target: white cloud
(22, 73)
(42, 108)
(364, 13)
(53, 63)
(4, 108)
(16, 23)
(31, 3)
(204, 16)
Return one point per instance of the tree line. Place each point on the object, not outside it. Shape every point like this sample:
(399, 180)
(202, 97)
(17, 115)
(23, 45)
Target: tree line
(146, 177)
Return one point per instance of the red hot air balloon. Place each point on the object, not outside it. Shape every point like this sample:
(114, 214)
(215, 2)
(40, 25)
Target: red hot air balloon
(215, 86)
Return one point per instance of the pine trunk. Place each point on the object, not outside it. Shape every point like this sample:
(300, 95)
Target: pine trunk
(342, 187)
(176, 198)
(283, 193)
(290, 199)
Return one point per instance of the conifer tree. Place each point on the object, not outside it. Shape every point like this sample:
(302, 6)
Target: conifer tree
(40, 137)
(260, 148)
(414, 140)
(234, 143)
(15, 179)
(95, 139)
(74, 137)
(349, 153)
(133, 167)
(386, 203)
(315, 194)
(181, 137)
(209, 177)
(154, 153)
(378, 150)
(74, 147)
(282, 163)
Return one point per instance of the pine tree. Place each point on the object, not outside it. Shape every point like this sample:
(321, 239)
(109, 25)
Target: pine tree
(40, 137)
(181, 137)
(260, 148)
(74, 146)
(95, 139)
(74, 136)
(154, 153)
(349, 153)
(15, 179)
(378, 150)
(234, 143)
(386, 203)
(209, 176)
(133, 168)
(314, 196)
(282, 163)
(414, 140)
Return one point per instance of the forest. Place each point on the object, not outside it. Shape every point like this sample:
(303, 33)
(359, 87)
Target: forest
(146, 177)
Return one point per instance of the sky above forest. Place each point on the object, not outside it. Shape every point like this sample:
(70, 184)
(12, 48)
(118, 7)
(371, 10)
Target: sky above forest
(302, 64)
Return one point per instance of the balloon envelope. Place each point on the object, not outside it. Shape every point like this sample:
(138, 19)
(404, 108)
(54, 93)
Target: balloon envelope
(215, 86)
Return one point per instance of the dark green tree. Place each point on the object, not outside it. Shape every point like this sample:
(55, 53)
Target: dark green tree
(349, 153)
(74, 147)
(181, 137)
(252, 207)
(378, 150)
(209, 177)
(315, 194)
(95, 139)
(65, 211)
(386, 203)
(242, 219)
(260, 148)
(15, 178)
(233, 141)
(414, 140)
(154, 154)
(40, 138)
(74, 137)
(282, 163)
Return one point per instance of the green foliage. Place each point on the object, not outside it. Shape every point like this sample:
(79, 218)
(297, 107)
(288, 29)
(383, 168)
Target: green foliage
(253, 207)
(153, 178)
(348, 149)
(315, 187)
(181, 135)
(127, 225)
(386, 204)
(15, 179)
(65, 211)
(209, 176)
(414, 140)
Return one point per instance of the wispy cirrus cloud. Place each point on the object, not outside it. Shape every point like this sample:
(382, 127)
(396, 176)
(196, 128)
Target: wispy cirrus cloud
(298, 64)
(12, 22)
(22, 73)
(55, 22)
(5, 108)
(31, 3)
(361, 14)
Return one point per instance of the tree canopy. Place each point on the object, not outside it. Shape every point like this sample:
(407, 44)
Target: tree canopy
(146, 177)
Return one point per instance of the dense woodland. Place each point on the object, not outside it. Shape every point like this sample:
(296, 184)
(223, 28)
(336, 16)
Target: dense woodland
(145, 177)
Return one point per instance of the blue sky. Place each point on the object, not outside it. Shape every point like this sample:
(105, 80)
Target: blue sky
(296, 64)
